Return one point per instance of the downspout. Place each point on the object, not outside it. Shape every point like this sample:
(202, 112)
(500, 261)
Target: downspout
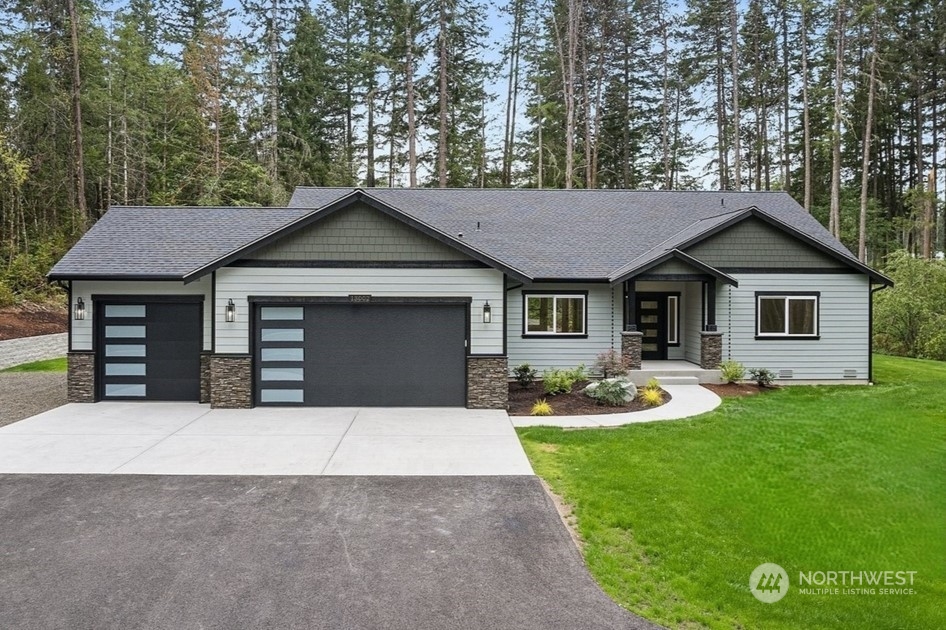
(870, 333)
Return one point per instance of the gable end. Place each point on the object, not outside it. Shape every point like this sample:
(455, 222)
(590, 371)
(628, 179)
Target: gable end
(359, 234)
(754, 244)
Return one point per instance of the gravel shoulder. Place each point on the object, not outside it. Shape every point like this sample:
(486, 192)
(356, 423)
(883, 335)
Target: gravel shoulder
(25, 394)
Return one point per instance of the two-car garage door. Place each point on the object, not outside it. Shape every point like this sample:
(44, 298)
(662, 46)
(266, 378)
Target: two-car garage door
(360, 354)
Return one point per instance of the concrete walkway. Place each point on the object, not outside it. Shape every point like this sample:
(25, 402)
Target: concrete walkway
(192, 439)
(686, 401)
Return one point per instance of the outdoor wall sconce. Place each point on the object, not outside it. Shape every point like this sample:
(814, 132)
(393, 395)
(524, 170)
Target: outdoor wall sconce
(79, 312)
(231, 312)
(487, 313)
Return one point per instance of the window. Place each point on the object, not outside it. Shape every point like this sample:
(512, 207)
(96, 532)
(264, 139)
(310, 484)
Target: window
(673, 320)
(794, 315)
(547, 314)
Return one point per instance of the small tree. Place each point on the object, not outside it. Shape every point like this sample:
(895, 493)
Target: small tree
(910, 317)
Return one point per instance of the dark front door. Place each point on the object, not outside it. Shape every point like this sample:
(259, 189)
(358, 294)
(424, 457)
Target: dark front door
(148, 350)
(652, 321)
(350, 355)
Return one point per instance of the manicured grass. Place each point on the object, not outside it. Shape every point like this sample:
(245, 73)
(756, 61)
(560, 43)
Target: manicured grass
(49, 365)
(677, 514)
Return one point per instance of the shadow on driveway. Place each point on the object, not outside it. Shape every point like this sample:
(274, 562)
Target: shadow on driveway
(417, 553)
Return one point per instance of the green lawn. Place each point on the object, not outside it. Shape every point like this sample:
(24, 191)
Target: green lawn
(49, 365)
(675, 515)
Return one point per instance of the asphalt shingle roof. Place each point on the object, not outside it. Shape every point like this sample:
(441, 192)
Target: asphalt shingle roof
(576, 234)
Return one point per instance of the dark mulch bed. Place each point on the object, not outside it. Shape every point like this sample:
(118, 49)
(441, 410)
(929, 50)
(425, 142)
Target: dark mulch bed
(574, 403)
(29, 320)
(737, 390)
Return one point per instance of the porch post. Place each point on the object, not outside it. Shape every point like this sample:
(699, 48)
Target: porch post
(711, 341)
(631, 338)
(630, 300)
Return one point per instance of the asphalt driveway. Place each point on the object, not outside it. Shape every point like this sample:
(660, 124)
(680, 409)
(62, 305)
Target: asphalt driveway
(135, 551)
(192, 439)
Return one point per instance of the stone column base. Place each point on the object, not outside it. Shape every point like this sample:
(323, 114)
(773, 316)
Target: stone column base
(487, 382)
(631, 349)
(711, 349)
(80, 377)
(231, 383)
(204, 378)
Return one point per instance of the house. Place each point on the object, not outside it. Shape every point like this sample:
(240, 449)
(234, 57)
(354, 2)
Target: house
(413, 297)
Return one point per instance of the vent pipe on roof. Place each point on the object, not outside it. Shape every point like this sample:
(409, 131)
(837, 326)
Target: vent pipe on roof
(477, 226)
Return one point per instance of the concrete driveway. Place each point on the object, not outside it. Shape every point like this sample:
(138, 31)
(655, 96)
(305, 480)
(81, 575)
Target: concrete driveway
(418, 553)
(192, 439)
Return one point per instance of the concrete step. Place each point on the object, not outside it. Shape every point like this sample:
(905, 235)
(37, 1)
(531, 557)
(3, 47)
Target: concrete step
(678, 380)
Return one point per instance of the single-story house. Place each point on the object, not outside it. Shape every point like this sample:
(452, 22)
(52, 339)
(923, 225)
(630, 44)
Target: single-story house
(413, 297)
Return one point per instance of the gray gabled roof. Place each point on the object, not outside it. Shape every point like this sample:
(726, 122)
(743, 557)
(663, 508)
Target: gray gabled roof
(538, 234)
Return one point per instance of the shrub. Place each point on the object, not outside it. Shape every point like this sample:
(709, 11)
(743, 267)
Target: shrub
(525, 375)
(762, 376)
(908, 317)
(653, 384)
(612, 392)
(651, 397)
(561, 381)
(541, 408)
(609, 364)
(732, 371)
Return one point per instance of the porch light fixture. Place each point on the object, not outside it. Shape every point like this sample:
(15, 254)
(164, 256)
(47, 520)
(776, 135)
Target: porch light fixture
(487, 313)
(231, 312)
(79, 311)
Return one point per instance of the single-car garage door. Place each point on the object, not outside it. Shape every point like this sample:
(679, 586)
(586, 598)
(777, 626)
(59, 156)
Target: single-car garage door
(148, 350)
(369, 354)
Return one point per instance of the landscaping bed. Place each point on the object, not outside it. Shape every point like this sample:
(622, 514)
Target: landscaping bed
(573, 403)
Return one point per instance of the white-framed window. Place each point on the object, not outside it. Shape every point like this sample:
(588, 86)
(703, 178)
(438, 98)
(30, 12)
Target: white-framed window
(554, 314)
(787, 314)
(673, 320)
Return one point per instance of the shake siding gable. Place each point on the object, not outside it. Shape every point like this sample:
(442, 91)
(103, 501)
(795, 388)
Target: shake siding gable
(359, 233)
(603, 327)
(754, 244)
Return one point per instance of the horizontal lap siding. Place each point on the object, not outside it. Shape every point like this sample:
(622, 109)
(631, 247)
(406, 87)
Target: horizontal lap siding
(693, 320)
(237, 283)
(82, 329)
(603, 327)
(844, 326)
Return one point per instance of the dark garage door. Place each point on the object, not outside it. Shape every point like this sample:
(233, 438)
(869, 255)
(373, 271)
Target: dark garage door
(347, 355)
(148, 350)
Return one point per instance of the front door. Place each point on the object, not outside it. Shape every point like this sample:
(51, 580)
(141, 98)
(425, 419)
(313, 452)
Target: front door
(652, 321)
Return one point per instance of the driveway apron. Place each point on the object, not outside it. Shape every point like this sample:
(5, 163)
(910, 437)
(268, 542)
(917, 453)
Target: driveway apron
(192, 439)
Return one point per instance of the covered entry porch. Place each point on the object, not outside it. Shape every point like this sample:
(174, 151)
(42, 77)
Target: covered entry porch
(670, 317)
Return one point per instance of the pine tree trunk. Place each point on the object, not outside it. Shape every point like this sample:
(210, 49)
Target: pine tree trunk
(512, 93)
(442, 104)
(665, 100)
(272, 157)
(737, 149)
(928, 203)
(806, 123)
(865, 157)
(572, 37)
(786, 100)
(77, 113)
(834, 222)
(540, 170)
(409, 87)
(721, 130)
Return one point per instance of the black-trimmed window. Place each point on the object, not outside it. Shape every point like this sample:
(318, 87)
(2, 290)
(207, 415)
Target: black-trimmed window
(673, 320)
(559, 314)
(787, 315)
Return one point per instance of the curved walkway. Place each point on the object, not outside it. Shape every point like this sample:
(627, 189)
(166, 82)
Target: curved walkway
(686, 401)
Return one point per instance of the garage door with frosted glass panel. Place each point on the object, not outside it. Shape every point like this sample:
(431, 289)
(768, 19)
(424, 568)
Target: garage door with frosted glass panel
(347, 355)
(148, 350)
